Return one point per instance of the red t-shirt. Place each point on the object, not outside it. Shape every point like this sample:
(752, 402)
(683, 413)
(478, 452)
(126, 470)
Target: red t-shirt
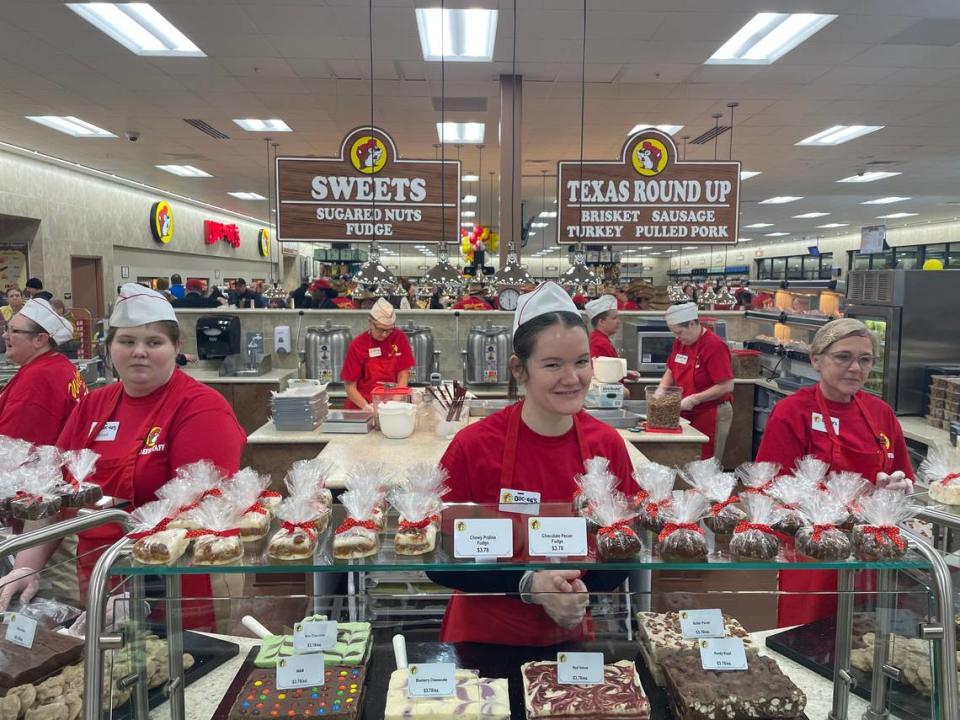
(343, 303)
(37, 401)
(713, 364)
(789, 434)
(627, 305)
(600, 345)
(468, 302)
(370, 361)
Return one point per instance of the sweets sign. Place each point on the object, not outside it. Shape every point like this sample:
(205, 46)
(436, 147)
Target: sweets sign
(368, 191)
(648, 195)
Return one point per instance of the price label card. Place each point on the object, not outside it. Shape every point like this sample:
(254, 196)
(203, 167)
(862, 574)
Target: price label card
(696, 624)
(519, 501)
(432, 680)
(579, 668)
(723, 654)
(474, 538)
(21, 629)
(314, 635)
(556, 536)
(297, 671)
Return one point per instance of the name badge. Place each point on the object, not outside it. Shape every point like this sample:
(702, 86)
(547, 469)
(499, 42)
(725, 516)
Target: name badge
(432, 680)
(557, 537)
(579, 668)
(519, 501)
(108, 433)
(816, 422)
(680, 359)
(483, 539)
(314, 635)
(297, 671)
(723, 654)
(374, 352)
(21, 630)
(696, 624)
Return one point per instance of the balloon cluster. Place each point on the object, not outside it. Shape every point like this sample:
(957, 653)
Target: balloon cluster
(478, 239)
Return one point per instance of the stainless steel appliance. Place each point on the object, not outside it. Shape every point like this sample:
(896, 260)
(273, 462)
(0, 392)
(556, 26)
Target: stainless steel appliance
(911, 312)
(421, 342)
(218, 336)
(325, 350)
(487, 355)
(647, 345)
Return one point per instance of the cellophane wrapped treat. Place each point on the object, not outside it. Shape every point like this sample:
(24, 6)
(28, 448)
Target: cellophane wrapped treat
(216, 539)
(38, 496)
(309, 477)
(656, 485)
(155, 542)
(14, 452)
(811, 469)
(757, 477)
(184, 496)
(371, 478)
(80, 465)
(755, 538)
(682, 539)
(205, 476)
(790, 491)
(847, 488)
(356, 537)
(708, 479)
(879, 537)
(616, 540)
(821, 538)
(595, 480)
(417, 530)
(244, 490)
(427, 479)
(296, 538)
(941, 471)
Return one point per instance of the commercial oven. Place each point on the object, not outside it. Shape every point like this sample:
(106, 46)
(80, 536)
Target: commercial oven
(647, 345)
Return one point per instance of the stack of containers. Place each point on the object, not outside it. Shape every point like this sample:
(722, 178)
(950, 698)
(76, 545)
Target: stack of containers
(302, 406)
(944, 399)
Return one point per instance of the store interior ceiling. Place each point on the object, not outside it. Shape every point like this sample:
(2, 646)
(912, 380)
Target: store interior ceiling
(880, 62)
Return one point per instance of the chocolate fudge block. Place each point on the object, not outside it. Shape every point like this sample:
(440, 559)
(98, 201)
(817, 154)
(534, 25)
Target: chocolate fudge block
(476, 698)
(340, 696)
(619, 698)
(760, 692)
(50, 653)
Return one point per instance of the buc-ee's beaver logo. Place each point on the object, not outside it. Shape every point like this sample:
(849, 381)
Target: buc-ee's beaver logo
(368, 154)
(885, 441)
(649, 157)
(152, 437)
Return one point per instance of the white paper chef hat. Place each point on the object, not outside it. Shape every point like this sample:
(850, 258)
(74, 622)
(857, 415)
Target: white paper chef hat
(602, 304)
(40, 311)
(139, 305)
(677, 314)
(547, 298)
(383, 313)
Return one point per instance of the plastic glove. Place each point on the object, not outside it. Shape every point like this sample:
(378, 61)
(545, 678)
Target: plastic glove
(633, 375)
(688, 403)
(117, 614)
(895, 481)
(562, 594)
(23, 580)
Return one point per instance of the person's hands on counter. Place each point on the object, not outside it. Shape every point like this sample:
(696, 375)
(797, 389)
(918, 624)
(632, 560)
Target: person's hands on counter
(897, 481)
(22, 580)
(688, 403)
(562, 594)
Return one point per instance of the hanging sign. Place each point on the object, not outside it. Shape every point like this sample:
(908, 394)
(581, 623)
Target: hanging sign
(367, 192)
(161, 222)
(648, 195)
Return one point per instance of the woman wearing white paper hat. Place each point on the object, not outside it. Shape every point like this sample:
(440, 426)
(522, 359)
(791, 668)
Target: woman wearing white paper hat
(700, 364)
(155, 420)
(379, 356)
(36, 403)
(536, 446)
(605, 319)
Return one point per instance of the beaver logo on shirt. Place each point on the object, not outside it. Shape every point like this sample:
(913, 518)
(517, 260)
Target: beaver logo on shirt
(150, 444)
(76, 387)
(885, 441)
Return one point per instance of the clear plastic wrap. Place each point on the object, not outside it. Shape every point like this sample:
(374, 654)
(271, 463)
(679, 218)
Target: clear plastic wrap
(244, 491)
(426, 479)
(296, 539)
(596, 480)
(356, 537)
(309, 478)
(847, 488)
(757, 477)
(755, 538)
(682, 539)
(790, 491)
(813, 470)
(708, 479)
(941, 471)
(217, 538)
(879, 537)
(156, 543)
(656, 485)
(13, 452)
(417, 532)
(821, 538)
(38, 496)
(49, 614)
(371, 478)
(205, 476)
(616, 540)
(184, 495)
(76, 491)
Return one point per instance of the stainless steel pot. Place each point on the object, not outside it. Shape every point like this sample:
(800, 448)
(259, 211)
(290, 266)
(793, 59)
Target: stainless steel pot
(487, 355)
(421, 342)
(326, 349)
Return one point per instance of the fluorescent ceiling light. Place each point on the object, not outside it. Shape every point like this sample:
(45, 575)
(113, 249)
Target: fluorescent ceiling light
(539, 224)
(759, 225)
(468, 213)
(184, 170)
(776, 234)
(470, 178)
(767, 37)
(893, 216)
(455, 132)
(839, 134)
(885, 200)
(645, 247)
(780, 200)
(246, 195)
(833, 225)
(139, 28)
(872, 176)
(468, 199)
(807, 216)
(457, 35)
(747, 174)
(671, 251)
(71, 126)
(668, 129)
(692, 247)
(740, 240)
(548, 213)
(466, 224)
(256, 125)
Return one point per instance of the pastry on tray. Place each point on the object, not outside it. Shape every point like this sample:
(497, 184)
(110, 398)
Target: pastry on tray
(620, 697)
(476, 698)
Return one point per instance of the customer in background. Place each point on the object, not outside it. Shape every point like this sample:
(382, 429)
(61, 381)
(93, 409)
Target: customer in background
(163, 287)
(380, 355)
(299, 296)
(34, 289)
(193, 297)
(244, 297)
(176, 286)
(14, 304)
(474, 299)
(321, 295)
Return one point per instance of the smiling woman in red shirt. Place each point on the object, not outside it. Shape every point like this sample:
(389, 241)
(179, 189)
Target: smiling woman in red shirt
(380, 355)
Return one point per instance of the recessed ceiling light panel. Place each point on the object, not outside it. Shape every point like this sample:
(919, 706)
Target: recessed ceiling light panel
(457, 35)
(885, 200)
(776, 234)
(768, 37)
(184, 170)
(839, 134)
(470, 178)
(809, 215)
(460, 132)
(757, 226)
(548, 214)
(468, 199)
(872, 176)
(668, 129)
(71, 126)
(747, 174)
(833, 225)
(257, 125)
(139, 28)
(780, 200)
(893, 216)
(246, 195)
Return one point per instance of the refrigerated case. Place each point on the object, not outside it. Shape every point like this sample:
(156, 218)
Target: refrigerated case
(910, 310)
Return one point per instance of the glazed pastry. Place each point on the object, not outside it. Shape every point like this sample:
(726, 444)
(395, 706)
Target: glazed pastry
(415, 541)
(161, 548)
(254, 525)
(620, 697)
(209, 549)
(295, 542)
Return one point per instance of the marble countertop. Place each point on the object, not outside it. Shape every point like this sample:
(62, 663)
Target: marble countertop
(211, 375)
(915, 428)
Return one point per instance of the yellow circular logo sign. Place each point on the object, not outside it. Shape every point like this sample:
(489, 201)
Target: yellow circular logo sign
(263, 242)
(161, 222)
(649, 157)
(368, 154)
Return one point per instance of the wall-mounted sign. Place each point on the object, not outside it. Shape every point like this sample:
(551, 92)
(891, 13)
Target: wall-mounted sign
(263, 242)
(13, 267)
(161, 222)
(214, 232)
(367, 192)
(872, 239)
(648, 195)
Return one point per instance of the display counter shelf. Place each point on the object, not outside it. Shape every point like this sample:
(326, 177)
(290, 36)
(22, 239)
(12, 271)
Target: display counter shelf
(785, 318)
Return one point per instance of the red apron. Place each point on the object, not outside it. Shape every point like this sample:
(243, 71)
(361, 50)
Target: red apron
(377, 370)
(116, 477)
(802, 609)
(702, 418)
(503, 620)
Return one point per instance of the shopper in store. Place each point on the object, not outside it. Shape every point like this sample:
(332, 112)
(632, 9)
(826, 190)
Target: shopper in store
(194, 297)
(474, 299)
(34, 289)
(863, 435)
(382, 355)
(538, 446)
(176, 287)
(155, 420)
(244, 297)
(700, 364)
(321, 295)
(15, 301)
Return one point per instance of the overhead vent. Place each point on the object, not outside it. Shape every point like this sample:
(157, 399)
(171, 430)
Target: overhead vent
(461, 104)
(882, 162)
(206, 128)
(710, 135)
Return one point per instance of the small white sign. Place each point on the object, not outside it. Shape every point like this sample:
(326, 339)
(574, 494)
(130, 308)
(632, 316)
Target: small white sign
(696, 624)
(432, 680)
(557, 536)
(519, 501)
(723, 654)
(297, 671)
(487, 538)
(579, 668)
(21, 630)
(314, 635)
(680, 359)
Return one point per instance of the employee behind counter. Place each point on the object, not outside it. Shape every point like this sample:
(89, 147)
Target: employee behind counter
(380, 355)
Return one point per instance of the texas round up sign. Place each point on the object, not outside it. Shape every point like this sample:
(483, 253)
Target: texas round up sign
(649, 195)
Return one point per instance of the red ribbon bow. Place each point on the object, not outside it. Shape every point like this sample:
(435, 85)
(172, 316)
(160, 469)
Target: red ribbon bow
(653, 509)
(232, 532)
(307, 526)
(612, 530)
(577, 493)
(760, 490)
(256, 508)
(29, 498)
(788, 506)
(886, 532)
(819, 530)
(73, 482)
(950, 478)
(212, 492)
(419, 524)
(743, 526)
(717, 508)
(187, 508)
(159, 527)
(671, 528)
(351, 523)
(270, 494)
(641, 497)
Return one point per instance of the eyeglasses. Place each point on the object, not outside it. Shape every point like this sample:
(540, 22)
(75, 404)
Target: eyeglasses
(22, 332)
(846, 359)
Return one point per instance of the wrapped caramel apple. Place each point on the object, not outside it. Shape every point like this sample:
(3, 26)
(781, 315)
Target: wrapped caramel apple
(371, 478)
(879, 537)
(596, 479)
(14, 452)
(790, 491)
(616, 540)
(821, 537)
(812, 470)
(245, 490)
(757, 477)
(38, 496)
(217, 533)
(419, 519)
(755, 538)
(308, 478)
(708, 479)
(76, 491)
(356, 537)
(296, 539)
(156, 543)
(847, 488)
(682, 539)
(656, 485)
(941, 471)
